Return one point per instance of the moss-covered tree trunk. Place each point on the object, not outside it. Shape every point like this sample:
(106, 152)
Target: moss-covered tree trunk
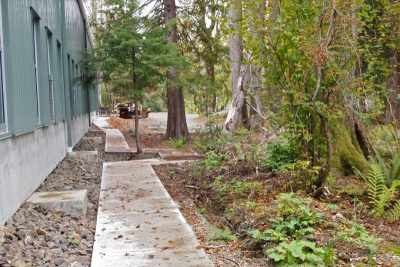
(351, 147)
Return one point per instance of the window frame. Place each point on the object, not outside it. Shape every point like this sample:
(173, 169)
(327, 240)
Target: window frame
(50, 70)
(4, 124)
(36, 47)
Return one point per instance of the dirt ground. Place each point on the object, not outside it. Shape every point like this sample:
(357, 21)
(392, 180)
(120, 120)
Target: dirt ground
(202, 208)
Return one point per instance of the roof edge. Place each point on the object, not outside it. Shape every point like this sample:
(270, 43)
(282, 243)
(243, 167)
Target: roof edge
(85, 19)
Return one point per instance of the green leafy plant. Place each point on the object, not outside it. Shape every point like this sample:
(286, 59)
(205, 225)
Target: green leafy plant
(355, 233)
(73, 242)
(296, 227)
(289, 207)
(213, 160)
(332, 207)
(278, 154)
(177, 142)
(220, 186)
(395, 250)
(301, 175)
(391, 169)
(203, 211)
(239, 151)
(297, 253)
(381, 196)
(245, 188)
(225, 234)
(251, 204)
(294, 220)
(385, 138)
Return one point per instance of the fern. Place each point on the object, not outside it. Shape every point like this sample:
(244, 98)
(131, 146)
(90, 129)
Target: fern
(375, 179)
(385, 200)
(394, 213)
(395, 168)
(381, 196)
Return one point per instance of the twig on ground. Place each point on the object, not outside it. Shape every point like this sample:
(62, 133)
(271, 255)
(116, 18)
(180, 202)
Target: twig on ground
(191, 186)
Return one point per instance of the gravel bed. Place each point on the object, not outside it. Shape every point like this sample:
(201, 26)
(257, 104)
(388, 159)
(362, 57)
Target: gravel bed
(36, 236)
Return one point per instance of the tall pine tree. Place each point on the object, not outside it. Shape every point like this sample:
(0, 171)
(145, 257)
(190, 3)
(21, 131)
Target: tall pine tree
(132, 50)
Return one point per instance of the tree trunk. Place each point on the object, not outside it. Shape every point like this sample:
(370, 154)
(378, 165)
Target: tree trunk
(235, 115)
(135, 100)
(256, 71)
(176, 124)
(138, 147)
(210, 67)
(393, 85)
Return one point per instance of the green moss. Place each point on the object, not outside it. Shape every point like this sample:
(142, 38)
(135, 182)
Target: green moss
(347, 153)
(354, 190)
(395, 250)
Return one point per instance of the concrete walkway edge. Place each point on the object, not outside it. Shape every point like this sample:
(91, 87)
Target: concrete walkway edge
(139, 224)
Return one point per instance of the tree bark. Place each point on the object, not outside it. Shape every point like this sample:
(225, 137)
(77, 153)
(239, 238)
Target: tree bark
(176, 123)
(393, 85)
(235, 114)
(135, 100)
(210, 67)
(256, 70)
(137, 137)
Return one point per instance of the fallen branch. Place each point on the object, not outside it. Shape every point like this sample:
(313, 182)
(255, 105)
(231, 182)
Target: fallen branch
(192, 186)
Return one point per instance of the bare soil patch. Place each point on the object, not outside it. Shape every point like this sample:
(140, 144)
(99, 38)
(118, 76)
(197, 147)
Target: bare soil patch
(203, 206)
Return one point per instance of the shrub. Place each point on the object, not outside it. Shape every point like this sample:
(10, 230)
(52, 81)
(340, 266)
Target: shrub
(294, 220)
(297, 252)
(213, 160)
(355, 233)
(302, 175)
(278, 154)
(289, 206)
(220, 186)
(245, 188)
(225, 234)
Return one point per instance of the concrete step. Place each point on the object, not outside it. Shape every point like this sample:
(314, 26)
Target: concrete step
(74, 202)
(139, 224)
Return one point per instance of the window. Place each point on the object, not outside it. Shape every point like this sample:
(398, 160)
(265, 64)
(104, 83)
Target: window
(71, 68)
(50, 75)
(59, 79)
(3, 112)
(35, 40)
(78, 92)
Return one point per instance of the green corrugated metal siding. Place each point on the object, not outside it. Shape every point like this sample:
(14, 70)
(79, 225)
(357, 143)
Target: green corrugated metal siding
(19, 61)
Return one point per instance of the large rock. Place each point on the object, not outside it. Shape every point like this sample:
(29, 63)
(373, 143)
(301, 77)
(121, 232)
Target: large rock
(74, 202)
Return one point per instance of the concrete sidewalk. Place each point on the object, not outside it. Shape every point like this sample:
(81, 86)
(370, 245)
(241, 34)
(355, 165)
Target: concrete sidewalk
(116, 143)
(138, 223)
(102, 123)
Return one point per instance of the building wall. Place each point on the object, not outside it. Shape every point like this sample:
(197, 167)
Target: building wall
(19, 62)
(80, 125)
(18, 38)
(25, 161)
(29, 150)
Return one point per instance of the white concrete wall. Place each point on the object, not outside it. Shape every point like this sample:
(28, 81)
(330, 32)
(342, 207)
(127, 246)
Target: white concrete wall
(26, 160)
(80, 125)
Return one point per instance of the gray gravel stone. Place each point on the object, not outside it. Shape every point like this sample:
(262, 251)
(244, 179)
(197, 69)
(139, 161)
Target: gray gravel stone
(36, 236)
